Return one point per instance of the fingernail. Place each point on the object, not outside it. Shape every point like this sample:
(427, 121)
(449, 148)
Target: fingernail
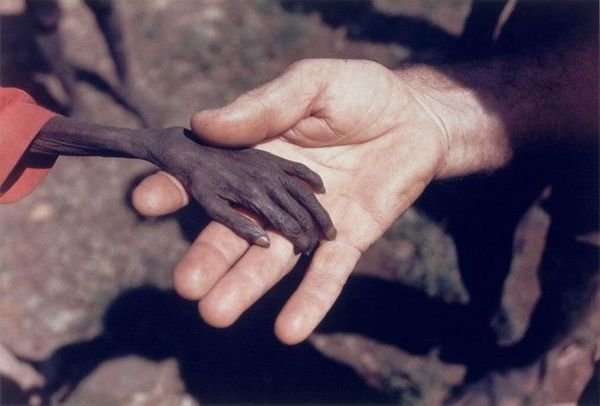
(331, 233)
(182, 193)
(263, 241)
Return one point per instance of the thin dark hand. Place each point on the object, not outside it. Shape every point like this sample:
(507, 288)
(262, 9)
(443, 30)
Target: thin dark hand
(275, 189)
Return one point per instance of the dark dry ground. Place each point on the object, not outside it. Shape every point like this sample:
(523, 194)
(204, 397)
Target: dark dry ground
(72, 249)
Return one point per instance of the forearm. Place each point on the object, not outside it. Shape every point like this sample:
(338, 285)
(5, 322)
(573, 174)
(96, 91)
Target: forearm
(492, 108)
(64, 136)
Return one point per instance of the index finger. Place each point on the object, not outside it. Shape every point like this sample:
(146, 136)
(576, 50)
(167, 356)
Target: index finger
(212, 255)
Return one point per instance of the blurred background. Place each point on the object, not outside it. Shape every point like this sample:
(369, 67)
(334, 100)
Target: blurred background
(85, 282)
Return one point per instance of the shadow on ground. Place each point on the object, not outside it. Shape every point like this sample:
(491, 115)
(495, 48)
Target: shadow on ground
(246, 363)
(242, 363)
(22, 61)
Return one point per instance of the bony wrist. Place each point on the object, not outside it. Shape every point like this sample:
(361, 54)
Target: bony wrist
(154, 144)
(167, 148)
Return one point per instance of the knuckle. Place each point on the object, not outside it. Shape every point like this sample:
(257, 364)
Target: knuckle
(326, 285)
(300, 187)
(319, 300)
(290, 228)
(305, 221)
(301, 168)
(254, 191)
(253, 280)
(309, 198)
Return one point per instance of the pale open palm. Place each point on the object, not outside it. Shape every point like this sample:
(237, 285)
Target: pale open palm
(376, 149)
(368, 185)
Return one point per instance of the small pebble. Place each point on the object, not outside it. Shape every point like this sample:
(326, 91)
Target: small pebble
(41, 213)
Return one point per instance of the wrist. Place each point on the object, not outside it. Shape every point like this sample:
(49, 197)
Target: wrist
(166, 148)
(64, 136)
(474, 139)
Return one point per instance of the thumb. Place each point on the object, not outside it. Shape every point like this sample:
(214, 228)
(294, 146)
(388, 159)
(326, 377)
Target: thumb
(159, 194)
(267, 111)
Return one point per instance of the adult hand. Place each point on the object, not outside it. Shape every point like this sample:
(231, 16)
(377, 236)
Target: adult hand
(375, 140)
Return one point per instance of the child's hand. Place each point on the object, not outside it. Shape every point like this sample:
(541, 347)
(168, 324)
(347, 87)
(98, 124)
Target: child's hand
(221, 179)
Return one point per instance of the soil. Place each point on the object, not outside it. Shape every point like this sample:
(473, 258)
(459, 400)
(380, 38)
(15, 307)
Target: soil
(76, 262)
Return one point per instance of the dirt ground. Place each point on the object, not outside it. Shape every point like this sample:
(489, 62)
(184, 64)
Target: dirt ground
(77, 265)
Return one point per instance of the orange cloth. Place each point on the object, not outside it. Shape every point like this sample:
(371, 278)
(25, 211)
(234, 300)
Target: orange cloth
(20, 121)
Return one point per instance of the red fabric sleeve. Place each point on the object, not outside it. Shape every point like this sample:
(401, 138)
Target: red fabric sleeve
(20, 121)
